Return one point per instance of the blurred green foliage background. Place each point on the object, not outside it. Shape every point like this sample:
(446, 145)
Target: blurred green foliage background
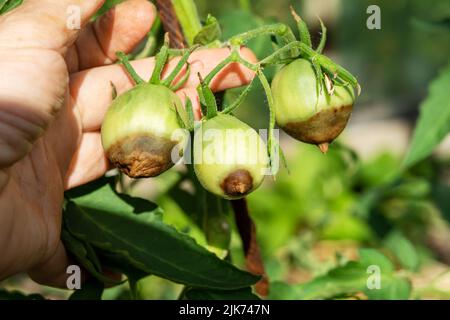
(318, 215)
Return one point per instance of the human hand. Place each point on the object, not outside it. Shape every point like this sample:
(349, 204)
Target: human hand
(54, 91)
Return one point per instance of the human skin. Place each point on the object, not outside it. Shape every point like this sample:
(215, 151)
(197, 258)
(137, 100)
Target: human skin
(54, 92)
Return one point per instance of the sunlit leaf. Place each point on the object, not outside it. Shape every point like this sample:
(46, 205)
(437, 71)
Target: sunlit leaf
(434, 120)
(129, 236)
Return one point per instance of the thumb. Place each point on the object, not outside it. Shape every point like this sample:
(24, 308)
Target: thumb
(46, 24)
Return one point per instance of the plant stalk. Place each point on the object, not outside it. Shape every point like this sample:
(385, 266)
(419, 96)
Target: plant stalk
(187, 15)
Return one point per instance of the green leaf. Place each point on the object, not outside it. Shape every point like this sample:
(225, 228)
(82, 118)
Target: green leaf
(209, 212)
(187, 15)
(392, 288)
(202, 294)
(86, 256)
(17, 295)
(101, 194)
(106, 6)
(432, 26)
(415, 188)
(348, 279)
(2, 4)
(216, 224)
(8, 5)
(403, 249)
(210, 32)
(353, 277)
(368, 257)
(108, 221)
(92, 289)
(120, 263)
(434, 120)
(283, 291)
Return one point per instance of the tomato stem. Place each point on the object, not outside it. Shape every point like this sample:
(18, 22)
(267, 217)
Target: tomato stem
(129, 68)
(187, 14)
(266, 86)
(218, 68)
(313, 56)
(278, 29)
(233, 106)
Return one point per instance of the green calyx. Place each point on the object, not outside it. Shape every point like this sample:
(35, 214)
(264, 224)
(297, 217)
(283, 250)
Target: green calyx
(230, 158)
(294, 88)
(160, 62)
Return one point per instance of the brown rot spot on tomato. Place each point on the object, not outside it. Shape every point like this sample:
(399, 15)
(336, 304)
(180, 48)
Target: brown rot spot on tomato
(322, 128)
(230, 158)
(138, 133)
(238, 183)
(141, 156)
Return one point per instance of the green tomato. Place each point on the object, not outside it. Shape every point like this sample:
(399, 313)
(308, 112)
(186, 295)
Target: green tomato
(230, 158)
(304, 115)
(141, 129)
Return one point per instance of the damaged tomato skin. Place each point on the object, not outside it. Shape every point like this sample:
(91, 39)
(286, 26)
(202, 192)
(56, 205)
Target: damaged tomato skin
(304, 115)
(232, 174)
(138, 130)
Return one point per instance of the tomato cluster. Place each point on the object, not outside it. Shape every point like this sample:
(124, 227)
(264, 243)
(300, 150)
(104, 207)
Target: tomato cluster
(310, 98)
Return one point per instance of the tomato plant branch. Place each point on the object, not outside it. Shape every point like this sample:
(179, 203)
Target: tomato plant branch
(235, 104)
(278, 29)
(231, 58)
(268, 91)
(170, 23)
(186, 12)
(313, 56)
(247, 231)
